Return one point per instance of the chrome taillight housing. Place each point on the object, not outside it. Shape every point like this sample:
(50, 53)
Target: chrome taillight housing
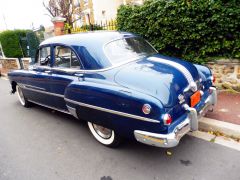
(167, 119)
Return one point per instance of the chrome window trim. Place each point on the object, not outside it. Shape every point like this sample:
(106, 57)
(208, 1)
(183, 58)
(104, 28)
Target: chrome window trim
(112, 111)
(24, 86)
(132, 59)
(69, 70)
(72, 51)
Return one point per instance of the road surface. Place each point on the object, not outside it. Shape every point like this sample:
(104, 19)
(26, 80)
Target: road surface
(38, 143)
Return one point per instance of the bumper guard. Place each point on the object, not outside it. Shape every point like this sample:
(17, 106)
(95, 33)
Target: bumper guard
(189, 124)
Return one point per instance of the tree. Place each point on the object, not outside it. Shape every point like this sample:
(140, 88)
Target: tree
(64, 8)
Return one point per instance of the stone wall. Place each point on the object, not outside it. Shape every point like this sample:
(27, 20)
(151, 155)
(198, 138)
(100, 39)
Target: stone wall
(227, 74)
(8, 64)
(26, 62)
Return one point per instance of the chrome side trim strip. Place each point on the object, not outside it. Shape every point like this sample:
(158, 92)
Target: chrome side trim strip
(112, 111)
(72, 111)
(24, 86)
(35, 87)
(178, 66)
(63, 111)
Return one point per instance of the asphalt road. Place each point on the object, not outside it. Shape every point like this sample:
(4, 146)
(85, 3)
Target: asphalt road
(38, 143)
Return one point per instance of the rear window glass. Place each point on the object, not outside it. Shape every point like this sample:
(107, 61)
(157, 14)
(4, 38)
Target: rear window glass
(124, 50)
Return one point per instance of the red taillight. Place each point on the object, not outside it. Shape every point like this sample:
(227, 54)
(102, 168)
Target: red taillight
(167, 119)
(213, 79)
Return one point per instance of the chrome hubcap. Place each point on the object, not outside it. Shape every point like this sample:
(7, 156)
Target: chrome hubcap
(20, 95)
(102, 131)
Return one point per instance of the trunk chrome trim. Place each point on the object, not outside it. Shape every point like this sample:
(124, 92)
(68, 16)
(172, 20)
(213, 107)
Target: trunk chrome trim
(178, 66)
(112, 111)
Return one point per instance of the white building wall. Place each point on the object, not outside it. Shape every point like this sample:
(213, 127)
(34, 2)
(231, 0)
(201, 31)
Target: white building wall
(105, 10)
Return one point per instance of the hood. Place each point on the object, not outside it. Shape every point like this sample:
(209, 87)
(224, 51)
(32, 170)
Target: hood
(159, 76)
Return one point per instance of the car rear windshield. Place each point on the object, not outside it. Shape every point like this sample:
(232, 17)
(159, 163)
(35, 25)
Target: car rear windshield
(128, 49)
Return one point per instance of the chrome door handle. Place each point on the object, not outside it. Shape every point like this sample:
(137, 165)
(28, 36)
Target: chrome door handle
(48, 71)
(79, 75)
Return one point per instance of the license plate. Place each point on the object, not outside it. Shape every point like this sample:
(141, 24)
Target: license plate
(195, 98)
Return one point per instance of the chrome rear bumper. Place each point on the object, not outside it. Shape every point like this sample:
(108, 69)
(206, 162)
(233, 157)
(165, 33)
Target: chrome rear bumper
(189, 124)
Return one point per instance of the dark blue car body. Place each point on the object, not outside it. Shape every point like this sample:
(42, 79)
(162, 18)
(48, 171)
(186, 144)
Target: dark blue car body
(113, 96)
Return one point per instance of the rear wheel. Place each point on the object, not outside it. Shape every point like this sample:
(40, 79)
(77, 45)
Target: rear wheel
(104, 135)
(24, 102)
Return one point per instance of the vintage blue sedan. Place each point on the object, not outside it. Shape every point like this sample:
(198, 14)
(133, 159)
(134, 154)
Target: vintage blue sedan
(120, 85)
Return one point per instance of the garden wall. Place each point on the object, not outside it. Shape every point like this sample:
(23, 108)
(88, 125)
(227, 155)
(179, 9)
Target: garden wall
(8, 64)
(227, 73)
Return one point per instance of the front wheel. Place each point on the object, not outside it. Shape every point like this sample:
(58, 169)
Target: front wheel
(104, 135)
(24, 102)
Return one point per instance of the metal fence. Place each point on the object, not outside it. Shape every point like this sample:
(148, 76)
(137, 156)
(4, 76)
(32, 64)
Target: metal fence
(103, 25)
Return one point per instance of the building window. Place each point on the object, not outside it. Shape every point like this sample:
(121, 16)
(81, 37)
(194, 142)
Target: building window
(103, 13)
(85, 2)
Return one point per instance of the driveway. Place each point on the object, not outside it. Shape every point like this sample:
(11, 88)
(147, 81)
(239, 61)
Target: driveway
(38, 143)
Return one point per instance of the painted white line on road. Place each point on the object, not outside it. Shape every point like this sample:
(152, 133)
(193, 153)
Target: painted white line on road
(221, 140)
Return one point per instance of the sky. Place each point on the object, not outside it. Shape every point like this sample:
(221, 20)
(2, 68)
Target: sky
(23, 14)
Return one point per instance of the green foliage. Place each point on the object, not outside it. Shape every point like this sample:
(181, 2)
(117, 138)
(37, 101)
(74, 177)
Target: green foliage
(11, 43)
(33, 43)
(190, 29)
(93, 26)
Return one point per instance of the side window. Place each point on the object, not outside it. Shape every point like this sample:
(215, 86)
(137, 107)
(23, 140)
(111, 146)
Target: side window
(44, 56)
(65, 57)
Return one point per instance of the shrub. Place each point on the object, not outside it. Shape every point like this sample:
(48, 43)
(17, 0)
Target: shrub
(190, 29)
(92, 27)
(12, 44)
(33, 43)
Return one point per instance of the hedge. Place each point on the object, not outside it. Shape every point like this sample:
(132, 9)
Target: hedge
(189, 29)
(10, 41)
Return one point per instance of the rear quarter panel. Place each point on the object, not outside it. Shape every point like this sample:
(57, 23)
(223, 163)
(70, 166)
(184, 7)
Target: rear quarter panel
(101, 93)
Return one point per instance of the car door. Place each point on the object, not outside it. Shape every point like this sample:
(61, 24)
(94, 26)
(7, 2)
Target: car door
(38, 79)
(64, 63)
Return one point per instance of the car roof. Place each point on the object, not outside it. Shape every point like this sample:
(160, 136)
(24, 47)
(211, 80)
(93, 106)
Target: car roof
(81, 39)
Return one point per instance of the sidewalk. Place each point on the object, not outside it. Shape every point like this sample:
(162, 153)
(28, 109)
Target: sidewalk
(227, 109)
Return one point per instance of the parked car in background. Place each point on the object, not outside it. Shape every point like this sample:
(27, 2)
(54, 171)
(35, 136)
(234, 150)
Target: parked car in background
(120, 85)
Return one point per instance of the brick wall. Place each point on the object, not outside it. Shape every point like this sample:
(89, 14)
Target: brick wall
(227, 73)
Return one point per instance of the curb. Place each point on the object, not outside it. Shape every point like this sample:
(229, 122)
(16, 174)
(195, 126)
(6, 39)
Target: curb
(227, 142)
(207, 124)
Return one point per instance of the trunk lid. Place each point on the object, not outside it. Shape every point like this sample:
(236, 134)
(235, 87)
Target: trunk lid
(159, 76)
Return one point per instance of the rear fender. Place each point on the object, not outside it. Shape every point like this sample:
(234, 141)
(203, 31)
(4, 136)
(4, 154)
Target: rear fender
(205, 74)
(114, 100)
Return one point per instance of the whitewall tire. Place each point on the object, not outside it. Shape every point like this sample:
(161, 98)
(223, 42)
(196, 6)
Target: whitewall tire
(104, 135)
(24, 102)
